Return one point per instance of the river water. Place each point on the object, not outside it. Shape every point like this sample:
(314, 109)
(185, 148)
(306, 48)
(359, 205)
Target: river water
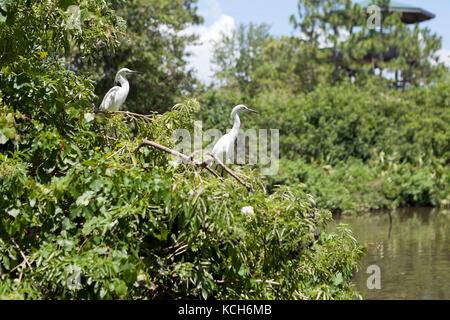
(412, 254)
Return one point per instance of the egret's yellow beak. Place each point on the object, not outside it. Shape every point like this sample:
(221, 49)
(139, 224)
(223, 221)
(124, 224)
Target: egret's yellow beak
(136, 72)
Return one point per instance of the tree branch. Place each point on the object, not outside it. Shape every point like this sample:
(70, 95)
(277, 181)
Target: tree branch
(145, 116)
(228, 170)
(118, 151)
(272, 282)
(163, 148)
(21, 253)
(190, 159)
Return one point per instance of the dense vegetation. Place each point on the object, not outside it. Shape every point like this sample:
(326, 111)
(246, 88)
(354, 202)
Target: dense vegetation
(356, 135)
(366, 147)
(84, 213)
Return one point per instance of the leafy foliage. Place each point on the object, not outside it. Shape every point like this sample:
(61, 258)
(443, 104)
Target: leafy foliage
(84, 215)
(355, 147)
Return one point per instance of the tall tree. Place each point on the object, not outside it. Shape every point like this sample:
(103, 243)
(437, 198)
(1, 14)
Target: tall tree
(310, 13)
(418, 61)
(238, 55)
(280, 66)
(335, 33)
(339, 19)
(408, 51)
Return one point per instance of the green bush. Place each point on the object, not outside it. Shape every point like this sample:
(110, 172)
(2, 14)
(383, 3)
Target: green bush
(333, 124)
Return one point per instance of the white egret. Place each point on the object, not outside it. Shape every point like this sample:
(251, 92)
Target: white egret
(117, 95)
(225, 145)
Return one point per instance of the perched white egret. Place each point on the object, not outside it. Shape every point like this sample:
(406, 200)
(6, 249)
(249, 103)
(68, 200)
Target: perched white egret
(117, 95)
(225, 145)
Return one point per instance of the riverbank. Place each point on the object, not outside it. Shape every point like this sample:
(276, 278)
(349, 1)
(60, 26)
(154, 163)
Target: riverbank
(354, 186)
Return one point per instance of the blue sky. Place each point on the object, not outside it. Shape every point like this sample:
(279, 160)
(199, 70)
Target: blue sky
(224, 15)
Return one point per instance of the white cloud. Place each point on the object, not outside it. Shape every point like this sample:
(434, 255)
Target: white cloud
(202, 53)
(444, 56)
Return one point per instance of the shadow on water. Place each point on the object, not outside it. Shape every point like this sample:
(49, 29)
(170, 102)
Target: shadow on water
(411, 247)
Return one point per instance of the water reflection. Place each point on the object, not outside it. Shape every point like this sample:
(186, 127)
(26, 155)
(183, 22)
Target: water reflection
(412, 248)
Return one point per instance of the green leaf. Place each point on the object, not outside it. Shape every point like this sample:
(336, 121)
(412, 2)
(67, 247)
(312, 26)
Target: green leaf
(204, 294)
(120, 288)
(3, 139)
(338, 279)
(6, 262)
(83, 200)
(67, 224)
(103, 292)
(86, 15)
(14, 212)
(162, 236)
(4, 7)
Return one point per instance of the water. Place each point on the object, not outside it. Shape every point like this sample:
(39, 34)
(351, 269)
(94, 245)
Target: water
(412, 252)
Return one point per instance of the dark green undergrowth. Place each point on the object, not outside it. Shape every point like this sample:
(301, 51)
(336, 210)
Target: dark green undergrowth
(354, 186)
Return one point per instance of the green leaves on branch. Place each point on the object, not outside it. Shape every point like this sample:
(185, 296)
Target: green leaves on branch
(7, 130)
(84, 216)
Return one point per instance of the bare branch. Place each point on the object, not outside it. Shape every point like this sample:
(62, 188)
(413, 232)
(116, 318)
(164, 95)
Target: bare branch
(228, 170)
(163, 148)
(190, 159)
(213, 173)
(271, 282)
(21, 253)
(145, 116)
(118, 151)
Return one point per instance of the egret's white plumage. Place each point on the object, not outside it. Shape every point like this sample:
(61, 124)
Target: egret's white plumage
(117, 95)
(224, 148)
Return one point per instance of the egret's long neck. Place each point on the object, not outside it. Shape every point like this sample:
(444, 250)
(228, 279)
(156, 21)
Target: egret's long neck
(237, 124)
(123, 82)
